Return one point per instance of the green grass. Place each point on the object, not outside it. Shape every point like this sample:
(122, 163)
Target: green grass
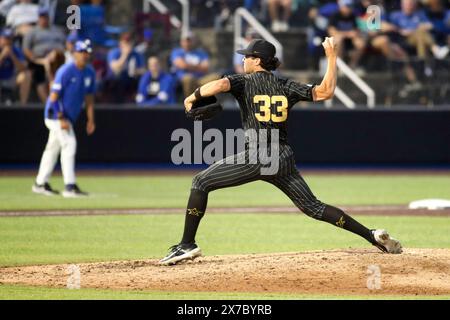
(47, 240)
(43, 293)
(173, 191)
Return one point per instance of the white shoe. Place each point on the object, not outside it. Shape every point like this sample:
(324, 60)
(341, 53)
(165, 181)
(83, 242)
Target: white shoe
(276, 26)
(385, 243)
(284, 26)
(44, 189)
(440, 52)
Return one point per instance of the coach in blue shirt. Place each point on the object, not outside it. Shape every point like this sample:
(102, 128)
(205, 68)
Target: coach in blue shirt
(155, 86)
(73, 87)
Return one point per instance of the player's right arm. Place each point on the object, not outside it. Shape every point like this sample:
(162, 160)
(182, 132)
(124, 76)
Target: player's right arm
(326, 88)
(55, 93)
(210, 89)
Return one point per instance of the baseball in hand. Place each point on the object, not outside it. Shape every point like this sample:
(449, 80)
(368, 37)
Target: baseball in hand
(330, 47)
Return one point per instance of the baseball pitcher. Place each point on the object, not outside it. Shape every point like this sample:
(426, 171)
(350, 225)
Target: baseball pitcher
(265, 101)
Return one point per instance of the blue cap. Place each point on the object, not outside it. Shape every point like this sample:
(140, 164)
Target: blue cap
(83, 46)
(43, 11)
(7, 33)
(148, 34)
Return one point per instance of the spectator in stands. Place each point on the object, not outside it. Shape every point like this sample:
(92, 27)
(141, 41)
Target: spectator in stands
(280, 25)
(343, 27)
(155, 86)
(13, 71)
(38, 46)
(125, 66)
(415, 29)
(191, 64)
(22, 17)
(238, 65)
(93, 22)
(379, 40)
(440, 19)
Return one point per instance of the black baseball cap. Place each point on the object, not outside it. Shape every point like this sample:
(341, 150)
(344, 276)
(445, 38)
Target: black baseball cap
(259, 48)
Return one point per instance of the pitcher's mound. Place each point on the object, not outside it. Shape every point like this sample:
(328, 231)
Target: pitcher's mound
(352, 271)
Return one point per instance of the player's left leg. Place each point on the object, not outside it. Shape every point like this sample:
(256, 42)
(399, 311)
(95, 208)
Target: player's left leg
(295, 187)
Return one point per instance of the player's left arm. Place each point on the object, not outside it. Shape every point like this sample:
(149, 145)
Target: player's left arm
(210, 89)
(89, 102)
(326, 88)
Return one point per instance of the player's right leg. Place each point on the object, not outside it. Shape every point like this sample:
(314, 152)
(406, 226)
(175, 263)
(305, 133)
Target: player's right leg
(295, 187)
(229, 172)
(68, 151)
(48, 160)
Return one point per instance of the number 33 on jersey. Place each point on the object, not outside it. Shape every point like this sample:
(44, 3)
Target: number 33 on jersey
(279, 105)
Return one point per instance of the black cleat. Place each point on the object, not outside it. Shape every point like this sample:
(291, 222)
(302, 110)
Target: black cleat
(44, 189)
(180, 252)
(73, 191)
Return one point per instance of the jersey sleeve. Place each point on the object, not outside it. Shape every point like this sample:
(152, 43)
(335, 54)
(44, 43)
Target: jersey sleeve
(142, 88)
(58, 83)
(299, 92)
(237, 84)
(113, 55)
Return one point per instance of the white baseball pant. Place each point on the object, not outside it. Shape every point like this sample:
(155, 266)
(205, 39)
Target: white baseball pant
(62, 142)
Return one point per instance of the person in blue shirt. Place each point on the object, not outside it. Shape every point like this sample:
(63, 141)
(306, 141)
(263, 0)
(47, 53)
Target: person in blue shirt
(191, 64)
(93, 22)
(13, 69)
(74, 86)
(415, 29)
(155, 86)
(125, 66)
(439, 17)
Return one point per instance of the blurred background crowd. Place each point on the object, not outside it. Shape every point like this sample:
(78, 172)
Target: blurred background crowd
(144, 60)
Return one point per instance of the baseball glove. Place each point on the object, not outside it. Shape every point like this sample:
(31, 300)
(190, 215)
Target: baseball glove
(204, 109)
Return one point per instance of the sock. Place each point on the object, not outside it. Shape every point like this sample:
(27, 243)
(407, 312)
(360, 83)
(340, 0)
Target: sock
(339, 218)
(195, 210)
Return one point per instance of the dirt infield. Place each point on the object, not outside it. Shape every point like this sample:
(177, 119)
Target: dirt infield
(336, 272)
(353, 210)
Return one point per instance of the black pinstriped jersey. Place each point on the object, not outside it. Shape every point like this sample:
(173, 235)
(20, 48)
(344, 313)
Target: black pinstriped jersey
(265, 100)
